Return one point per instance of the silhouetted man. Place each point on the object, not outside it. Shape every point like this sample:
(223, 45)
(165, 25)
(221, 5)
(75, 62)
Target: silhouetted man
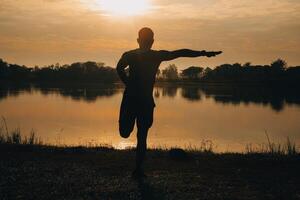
(138, 103)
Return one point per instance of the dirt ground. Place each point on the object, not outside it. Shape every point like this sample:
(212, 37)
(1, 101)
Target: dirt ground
(79, 173)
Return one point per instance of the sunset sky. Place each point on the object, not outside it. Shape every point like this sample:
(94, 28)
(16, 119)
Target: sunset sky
(41, 32)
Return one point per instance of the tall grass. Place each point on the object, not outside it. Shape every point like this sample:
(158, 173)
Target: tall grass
(15, 137)
(287, 148)
(207, 146)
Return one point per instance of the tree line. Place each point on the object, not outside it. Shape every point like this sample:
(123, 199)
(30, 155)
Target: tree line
(78, 71)
(277, 71)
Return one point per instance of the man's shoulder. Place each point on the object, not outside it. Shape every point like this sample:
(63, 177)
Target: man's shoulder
(130, 52)
(137, 51)
(158, 51)
(153, 53)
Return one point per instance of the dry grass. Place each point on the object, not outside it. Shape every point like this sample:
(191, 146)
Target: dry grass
(15, 137)
(288, 148)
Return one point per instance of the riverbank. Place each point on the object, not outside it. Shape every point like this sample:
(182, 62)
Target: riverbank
(50, 172)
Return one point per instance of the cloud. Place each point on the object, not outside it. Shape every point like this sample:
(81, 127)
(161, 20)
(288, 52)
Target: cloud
(48, 31)
(219, 9)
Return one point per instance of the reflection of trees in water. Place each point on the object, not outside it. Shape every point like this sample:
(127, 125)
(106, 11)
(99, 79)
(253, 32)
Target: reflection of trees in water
(76, 93)
(156, 93)
(170, 91)
(191, 93)
(276, 98)
(14, 90)
(87, 94)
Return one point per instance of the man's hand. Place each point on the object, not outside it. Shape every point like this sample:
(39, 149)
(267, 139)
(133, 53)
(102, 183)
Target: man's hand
(212, 53)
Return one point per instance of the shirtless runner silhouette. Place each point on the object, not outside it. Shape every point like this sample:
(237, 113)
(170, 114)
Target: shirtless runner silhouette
(138, 103)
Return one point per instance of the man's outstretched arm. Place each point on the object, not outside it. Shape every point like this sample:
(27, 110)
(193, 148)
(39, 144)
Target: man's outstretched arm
(170, 55)
(122, 64)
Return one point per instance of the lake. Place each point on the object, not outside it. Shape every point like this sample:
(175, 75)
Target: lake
(185, 116)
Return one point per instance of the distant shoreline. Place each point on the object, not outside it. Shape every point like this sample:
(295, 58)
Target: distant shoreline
(276, 74)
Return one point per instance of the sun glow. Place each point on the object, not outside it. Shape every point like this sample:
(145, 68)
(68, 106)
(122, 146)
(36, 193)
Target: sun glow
(124, 7)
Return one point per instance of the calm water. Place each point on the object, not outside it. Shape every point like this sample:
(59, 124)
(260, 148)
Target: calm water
(184, 115)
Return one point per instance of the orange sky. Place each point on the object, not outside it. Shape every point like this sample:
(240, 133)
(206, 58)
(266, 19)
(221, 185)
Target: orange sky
(40, 32)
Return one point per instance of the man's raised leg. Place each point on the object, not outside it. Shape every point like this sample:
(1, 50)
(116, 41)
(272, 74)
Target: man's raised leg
(127, 116)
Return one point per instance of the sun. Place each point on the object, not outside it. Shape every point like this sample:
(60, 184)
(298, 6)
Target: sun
(123, 7)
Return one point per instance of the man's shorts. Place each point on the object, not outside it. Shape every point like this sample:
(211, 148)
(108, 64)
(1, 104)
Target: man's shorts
(135, 108)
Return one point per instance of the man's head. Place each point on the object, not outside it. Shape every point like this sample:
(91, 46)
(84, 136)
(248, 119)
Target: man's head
(146, 38)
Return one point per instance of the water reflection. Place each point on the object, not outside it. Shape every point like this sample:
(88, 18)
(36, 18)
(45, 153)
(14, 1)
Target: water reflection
(276, 98)
(229, 116)
(191, 93)
(169, 90)
(77, 93)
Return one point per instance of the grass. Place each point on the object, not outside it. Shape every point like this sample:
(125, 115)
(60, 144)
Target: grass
(15, 137)
(31, 169)
(288, 148)
(55, 172)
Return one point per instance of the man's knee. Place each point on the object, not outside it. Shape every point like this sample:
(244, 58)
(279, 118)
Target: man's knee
(125, 131)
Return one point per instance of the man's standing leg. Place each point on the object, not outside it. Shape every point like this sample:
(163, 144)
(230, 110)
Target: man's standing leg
(144, 122)
(141, 147)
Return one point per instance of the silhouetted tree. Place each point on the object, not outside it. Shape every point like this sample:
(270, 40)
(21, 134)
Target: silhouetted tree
(170, 72)
(192, 72)
(207, 71)
(278, 65)
(3, 69)
(86, 71)
(277, 73)
(247, 64)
